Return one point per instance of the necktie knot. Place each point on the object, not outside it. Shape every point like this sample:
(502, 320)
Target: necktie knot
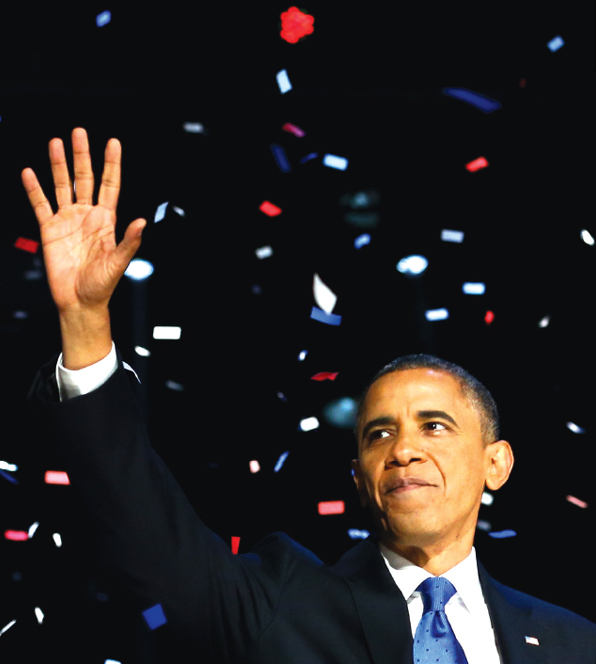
(436, 591)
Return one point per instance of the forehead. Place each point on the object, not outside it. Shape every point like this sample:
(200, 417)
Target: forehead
(417, 389)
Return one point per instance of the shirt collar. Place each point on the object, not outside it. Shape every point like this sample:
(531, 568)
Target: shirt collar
(464, 576)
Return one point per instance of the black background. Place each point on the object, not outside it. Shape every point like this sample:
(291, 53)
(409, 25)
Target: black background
(367, 86)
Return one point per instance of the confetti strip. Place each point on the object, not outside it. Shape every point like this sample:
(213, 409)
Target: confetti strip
(283, 81)
(139, 269)
(437, 314)
(485, 104)
(503, 534)
(577, 501)
(332, 507)
(57, 539)
(575, 428)
(309, 423)
(487, 498)
(160, 213)
(16, 535)
(333, 161)
(324, 296)
(312, 155)
(103, 19)
(587, 237)
(282, 396)
(293, 129)
(269, 209)
(235, 545)
(489, 317)
(325, 375)
(281, 159)
(323, 317)
(8, 477)
(155, 616)
(476, 164)
(354, 533)
(7, 627)
(295, 25)
(555, 44)
(484, 525)
(8, 466)
(544, 322)
(56, 477)
(254, 466)
(470, 288)
(167, 332)
(173, 385)
(264, 252)
(179, 211)
(362, 240)
(39, 615)
(193, 127)
(302, 355)
(143, 352)
(27, 245)
(412, 265)
(280, 462)
(452, 236)
(32, 529)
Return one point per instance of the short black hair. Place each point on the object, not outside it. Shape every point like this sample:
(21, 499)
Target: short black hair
(478, 396)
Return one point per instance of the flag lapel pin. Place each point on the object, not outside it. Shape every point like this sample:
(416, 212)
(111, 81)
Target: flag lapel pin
(532, 640)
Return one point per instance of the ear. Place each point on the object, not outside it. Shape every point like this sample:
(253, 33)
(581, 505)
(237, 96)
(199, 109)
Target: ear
(500, 460)
(360, 484)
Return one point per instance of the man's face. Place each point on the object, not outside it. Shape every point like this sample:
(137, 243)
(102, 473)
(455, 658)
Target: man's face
(417, 425)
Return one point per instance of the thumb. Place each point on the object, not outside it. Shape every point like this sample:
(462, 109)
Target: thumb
(130, 243)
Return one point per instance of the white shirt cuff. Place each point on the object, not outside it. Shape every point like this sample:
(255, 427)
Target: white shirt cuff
(73, 383)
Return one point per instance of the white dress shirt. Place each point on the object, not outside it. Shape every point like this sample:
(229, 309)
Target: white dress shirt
(466, 611)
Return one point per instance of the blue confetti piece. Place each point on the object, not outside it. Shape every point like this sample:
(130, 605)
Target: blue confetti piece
(437, 314)
(556, 43)
(280, 462)
(333, 161)
(503, 534)
(10, 478)
(283, 81)
(354, 533)
(281, 158)
(312, 155)
(361, 240)
(155, 616)
(160, 213)
(485, 104)
(471, 288)
(324, 317)
(103, 19)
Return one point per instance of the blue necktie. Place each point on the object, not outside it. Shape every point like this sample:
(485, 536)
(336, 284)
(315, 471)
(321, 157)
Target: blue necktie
(434, 641)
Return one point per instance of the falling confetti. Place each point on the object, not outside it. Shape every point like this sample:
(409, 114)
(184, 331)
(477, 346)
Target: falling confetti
(503, 534)
(235, 545)
(309, 423)
(324, 375)
(476, 164)
(452, 236)
(324, 317)
(577, 501)
(56, 477)
(155, 616)
(295, 25)
(293, 129)
(167, 332)
(27, 245)
(555, 44)
(281, 158)
(283, 81)
(332, 507)
(160, 213)
(333, 161)
(324, 296)
(485, 104)
(470, 288)
(269, 209)
(280, 462)
(437, 314)
(103, 19)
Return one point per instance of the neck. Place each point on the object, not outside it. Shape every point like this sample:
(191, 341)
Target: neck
(435, 559)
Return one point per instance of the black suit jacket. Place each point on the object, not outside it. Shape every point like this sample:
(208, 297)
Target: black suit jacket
(278, 604)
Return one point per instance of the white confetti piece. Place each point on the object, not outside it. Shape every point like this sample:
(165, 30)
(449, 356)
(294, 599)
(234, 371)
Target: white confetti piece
(324, 296)
(57, 539)
(283, 81)
(264, 252)
(333, 161)
(487, 498)
(193, 127)
(143, 352)
(471, 288)
(167, 332)
(437, 314)
(160, 212)
(309, 423)
(587, 237)
(452, 236)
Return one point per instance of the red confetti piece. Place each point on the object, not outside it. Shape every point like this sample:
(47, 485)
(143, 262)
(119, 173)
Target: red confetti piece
(269, 209)
(577, 501)
(477, 164)
(489, 318)
(16, 535)
(293, 129)
(235, 545)
(56, 477)
(27, 245)
(325, 375)
(295, 24)
(332, 507)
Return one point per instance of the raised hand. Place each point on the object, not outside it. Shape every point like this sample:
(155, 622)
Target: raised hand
(83, 261)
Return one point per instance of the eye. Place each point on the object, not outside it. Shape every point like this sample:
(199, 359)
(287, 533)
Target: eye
(435, 426)
(379, 433)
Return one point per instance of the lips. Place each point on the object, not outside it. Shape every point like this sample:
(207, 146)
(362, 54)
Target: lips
(404, 482)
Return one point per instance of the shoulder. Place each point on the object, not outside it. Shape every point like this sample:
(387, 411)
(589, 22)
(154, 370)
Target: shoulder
(556, 616)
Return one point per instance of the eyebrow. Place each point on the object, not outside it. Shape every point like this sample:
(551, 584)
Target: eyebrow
(421, 415)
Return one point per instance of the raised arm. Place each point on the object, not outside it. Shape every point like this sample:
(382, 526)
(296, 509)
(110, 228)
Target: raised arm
(83, 262)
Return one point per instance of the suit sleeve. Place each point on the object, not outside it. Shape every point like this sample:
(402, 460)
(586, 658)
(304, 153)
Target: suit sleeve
(148, 533)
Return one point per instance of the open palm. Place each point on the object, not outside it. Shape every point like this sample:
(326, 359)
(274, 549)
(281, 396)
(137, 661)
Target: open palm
(83, 261)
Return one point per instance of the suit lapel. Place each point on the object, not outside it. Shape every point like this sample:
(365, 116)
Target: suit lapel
(381, 607)
(512, 623)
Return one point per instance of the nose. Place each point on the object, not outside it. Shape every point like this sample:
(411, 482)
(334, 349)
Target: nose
(406, 449)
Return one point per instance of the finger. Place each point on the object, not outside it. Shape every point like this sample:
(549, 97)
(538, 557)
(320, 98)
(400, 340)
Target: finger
(110, 179)
(83, 172)
(129, 244)
(60, 173)
(39, 203)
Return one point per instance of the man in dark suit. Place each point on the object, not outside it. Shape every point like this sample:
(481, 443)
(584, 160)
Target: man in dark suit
(428, 446)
